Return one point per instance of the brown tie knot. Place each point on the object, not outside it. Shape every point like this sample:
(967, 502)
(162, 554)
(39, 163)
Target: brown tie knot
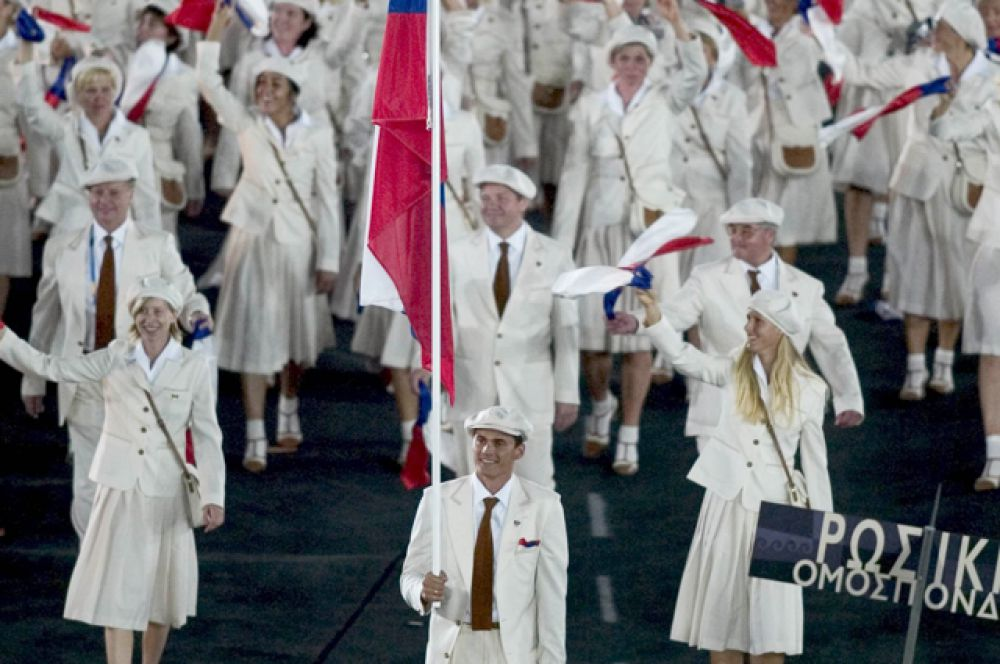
(754, 281)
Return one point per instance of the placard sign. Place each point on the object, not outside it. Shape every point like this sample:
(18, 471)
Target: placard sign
(877, 560)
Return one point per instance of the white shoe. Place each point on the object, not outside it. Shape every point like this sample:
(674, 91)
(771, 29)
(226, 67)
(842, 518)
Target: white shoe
(626, 459)
(852, 291)
(913, 387)
(887, 312)
(990, 478)
(942, 380)
(255, 455)
(597, 429)
(289, 433)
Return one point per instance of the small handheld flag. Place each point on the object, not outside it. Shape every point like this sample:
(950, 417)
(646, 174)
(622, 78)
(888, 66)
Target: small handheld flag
(59, 20)
(760, 50)
(56, 93)
(414, 473)
(938, 86)
(27, 27)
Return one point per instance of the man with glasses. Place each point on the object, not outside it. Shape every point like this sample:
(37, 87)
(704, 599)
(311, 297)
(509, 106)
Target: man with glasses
(716, 296)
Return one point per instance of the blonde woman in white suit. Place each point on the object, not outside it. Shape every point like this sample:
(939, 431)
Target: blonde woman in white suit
(94, 130)
(283, 248)
(138, 569)
(619, 156)
(719, 607)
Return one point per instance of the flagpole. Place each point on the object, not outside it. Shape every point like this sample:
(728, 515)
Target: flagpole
(434, 113)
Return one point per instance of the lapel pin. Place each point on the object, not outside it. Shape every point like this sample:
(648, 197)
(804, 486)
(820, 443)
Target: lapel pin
(516, 522)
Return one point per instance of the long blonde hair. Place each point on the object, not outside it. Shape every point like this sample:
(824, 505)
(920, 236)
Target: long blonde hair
(782, 387)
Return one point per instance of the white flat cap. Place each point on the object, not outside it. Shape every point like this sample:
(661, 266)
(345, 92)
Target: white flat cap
(633, 34)
(279, 66)
(779, 310)
(95, 62)
(514, 179)
(499, 418)
(157, 287)
(113, 169)
(965, 19)
(753, 211)
(311, 7)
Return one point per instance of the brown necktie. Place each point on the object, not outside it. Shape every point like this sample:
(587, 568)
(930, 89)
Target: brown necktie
(501, 280)
(104, 320)
(754, 283)
(482, 571)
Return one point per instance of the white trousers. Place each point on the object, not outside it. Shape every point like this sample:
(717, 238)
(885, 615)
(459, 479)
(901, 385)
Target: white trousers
(478, 647)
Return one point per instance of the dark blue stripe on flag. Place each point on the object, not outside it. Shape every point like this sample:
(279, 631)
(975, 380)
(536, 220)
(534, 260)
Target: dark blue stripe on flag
(938, 86)
(407, 6)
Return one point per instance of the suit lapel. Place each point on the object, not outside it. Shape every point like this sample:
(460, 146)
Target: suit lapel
(459, 514)
(75, 289)
(531, 262)
(484, 286)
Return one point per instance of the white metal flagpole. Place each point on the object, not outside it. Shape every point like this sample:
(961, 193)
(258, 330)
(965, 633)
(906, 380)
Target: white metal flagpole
(434, 103)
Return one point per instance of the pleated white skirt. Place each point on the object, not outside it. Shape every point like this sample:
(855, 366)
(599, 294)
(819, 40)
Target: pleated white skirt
(719, 606)
(137, 563)
(269, 313)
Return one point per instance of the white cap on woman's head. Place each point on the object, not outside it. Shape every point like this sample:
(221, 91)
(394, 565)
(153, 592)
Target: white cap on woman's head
(753, 211)
(311, 7)
(778, 309)
(513, 178)
(278, 66)
(965, 19)
(633, 34)
(157, 287)
(113, 169)
(500, 418)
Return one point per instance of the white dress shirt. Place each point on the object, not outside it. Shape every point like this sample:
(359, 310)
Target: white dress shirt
(480, 492)
(768, 277)
(95, 256)
(294, 128)
(515, 250)
(172, 351)
(615, 102)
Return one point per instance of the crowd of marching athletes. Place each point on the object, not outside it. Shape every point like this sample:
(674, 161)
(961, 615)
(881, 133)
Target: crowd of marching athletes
(596, 120)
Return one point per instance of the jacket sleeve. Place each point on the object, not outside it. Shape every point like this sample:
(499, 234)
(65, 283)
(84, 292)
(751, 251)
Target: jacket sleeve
(566, 343)
(812, 450)
(188, 143)
(30, 97)
(684, 308)
(146, 202)
(739, 155)
(828, 345)
(46, 315)
(550, 587)
(418, 558)
(81, 369)
(207, 437)
(329, 225)
(686, 358)
(573, 181)
(687, 82)
(517, 85)
(228, 105)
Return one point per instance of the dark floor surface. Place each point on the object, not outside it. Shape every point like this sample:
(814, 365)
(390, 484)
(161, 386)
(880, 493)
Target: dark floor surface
(306, 567)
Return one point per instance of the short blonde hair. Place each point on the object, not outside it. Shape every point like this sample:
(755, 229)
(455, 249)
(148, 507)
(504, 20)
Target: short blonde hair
(137, 305)
(87, 77)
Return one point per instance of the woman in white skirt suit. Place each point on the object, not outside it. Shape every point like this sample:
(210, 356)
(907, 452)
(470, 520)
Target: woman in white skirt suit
(719, 607)
(619, 154)
(95, 129)
(283, 248)
(928, 252)
(138, 569)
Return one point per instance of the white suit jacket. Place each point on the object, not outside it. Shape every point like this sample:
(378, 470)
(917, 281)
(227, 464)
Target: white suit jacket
(530, 582)
(65, 206)
(264, 200)
(132, 449)
(59, 317)
(716, 297)
(529, 359)
(740, 458)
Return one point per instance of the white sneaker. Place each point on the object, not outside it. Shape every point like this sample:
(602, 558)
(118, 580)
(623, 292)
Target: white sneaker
(887, 312)
(289, 433)
(597, 428)
(255, 455)
(626, 459)
(852, 291)
(990, 478)
(916, 378)
(942, 380)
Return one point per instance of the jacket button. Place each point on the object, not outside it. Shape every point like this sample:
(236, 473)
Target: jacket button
(622, 178)
(274, 200)
(756, 442)
(145, 409)
(499, 335)
(141, 452)
(497, 363)
(749, 464)
(143, 429)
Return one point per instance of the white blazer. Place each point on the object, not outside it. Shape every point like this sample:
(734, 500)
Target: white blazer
(716, 297)
(740, 458)
(65, 206)
(59, 317)
(132, 450)
(529, 582)
(529, 359)
(263, 201)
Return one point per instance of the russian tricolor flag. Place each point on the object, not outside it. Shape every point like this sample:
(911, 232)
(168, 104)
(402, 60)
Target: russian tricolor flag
(760, 50)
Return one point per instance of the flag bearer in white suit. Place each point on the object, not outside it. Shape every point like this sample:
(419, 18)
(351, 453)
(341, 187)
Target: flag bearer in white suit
(715, 299)
(138, 570)
(618, 162)
(500, 597)
(772, 404)
(283, 248)
(70, 316)
(522, 352)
